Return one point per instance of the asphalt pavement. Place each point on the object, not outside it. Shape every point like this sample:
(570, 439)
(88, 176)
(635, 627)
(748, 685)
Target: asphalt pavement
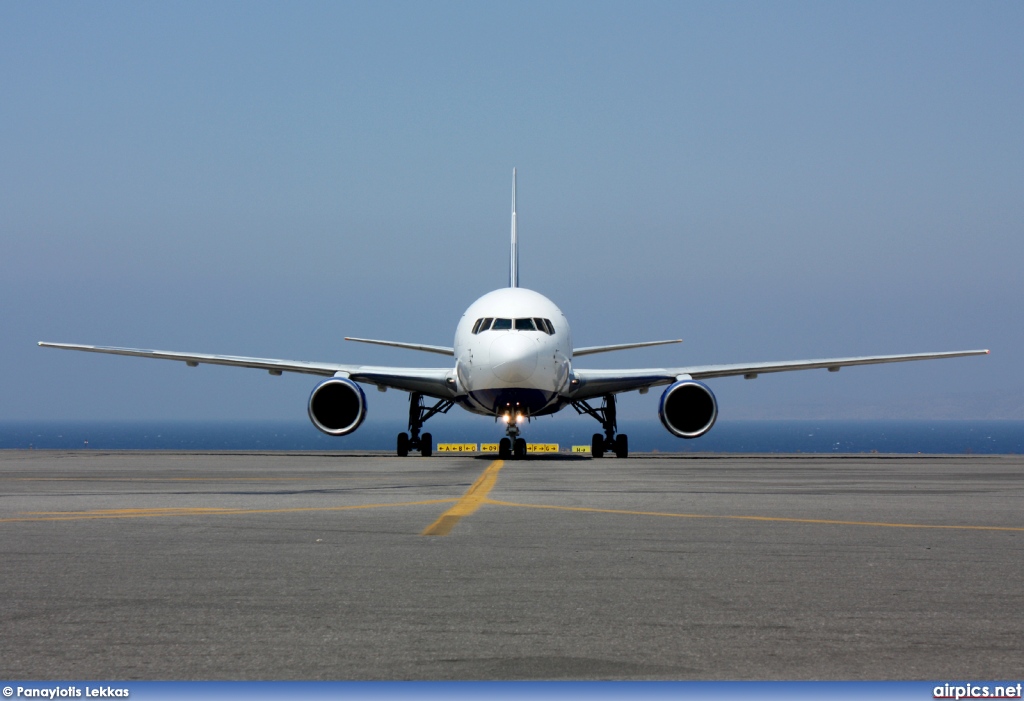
(363, 566)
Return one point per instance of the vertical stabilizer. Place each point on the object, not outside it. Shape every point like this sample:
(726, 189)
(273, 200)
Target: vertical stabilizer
(513, 275)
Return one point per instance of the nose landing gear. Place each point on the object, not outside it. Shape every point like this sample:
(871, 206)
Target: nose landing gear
(609, 442)
(418, 414)
(512, 446)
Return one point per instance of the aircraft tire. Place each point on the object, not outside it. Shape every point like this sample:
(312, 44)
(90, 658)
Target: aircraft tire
(426, 445)
(403, 445)
(597, 446)
(621, 446)
(504, 449)
(520, 448)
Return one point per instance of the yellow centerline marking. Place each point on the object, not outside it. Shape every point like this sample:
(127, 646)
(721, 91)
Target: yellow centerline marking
(780, 519)
(200, 511)
(472, 500)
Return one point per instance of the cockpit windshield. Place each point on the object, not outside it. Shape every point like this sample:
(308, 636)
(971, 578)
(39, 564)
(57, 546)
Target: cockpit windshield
(534, 324)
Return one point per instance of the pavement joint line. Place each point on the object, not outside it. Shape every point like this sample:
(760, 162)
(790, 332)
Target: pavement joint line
(778, 519)
(472, 500)
(199, 511)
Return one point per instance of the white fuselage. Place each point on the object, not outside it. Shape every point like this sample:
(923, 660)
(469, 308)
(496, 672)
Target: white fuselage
(513, 351)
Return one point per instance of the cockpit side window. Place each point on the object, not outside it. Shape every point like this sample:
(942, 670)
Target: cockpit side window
(476, 326)
(502, 324)
(545, 326)
(525, 325)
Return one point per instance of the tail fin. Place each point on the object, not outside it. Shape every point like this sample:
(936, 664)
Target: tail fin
(513, 273)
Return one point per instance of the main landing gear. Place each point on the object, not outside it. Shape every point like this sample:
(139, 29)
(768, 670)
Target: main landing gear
(609, 442)
(418, 414)
(512, 446)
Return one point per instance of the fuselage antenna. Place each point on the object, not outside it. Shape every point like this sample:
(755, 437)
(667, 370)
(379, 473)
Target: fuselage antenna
(513, 277)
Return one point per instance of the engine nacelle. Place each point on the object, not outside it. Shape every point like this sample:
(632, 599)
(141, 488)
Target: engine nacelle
(688, 409)
(337, 406)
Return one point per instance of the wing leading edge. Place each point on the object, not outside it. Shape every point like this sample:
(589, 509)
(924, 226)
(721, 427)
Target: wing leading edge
(430, 381)
(595, 383)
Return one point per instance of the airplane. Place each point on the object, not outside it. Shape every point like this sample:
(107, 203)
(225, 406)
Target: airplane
(514, 361)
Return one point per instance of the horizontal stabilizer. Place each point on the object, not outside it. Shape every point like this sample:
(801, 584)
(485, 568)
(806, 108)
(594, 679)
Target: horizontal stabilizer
(442, 350)
(590, 350)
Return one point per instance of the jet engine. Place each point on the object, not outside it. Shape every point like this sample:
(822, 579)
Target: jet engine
(688, 409)
(337, 406)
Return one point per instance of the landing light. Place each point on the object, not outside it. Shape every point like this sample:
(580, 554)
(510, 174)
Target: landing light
(506, 418)
(520, 418)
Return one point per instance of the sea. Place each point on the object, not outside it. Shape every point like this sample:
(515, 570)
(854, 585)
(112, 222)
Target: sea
(806, 436)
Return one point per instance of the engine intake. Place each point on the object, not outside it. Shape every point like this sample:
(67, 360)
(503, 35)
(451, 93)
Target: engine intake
(337, 406)
(688, 409)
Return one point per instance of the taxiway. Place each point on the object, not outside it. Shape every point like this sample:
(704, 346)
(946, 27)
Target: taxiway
(361, 566)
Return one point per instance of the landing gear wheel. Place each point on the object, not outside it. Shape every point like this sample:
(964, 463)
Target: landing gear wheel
(621, 446)
(426, 445)
(520, 448)
(504, 449)
(403, 445)
(597, 446)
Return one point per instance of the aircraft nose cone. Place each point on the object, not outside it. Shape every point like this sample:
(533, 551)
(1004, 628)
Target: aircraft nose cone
(514, 357)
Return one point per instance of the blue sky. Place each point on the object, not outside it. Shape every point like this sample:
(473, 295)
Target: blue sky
(764, 180)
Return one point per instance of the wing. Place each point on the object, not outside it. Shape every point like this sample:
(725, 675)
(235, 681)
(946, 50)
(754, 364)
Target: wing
(594, 383)
(433, 382)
